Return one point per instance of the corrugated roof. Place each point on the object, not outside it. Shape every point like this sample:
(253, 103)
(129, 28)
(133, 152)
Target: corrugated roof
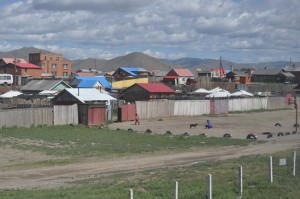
(89, 94)
(28, 65)
(132, 71)
(12, 60)
(88, 82)
(40, 85)
(183, 72)
(271, 71)
(156, 87)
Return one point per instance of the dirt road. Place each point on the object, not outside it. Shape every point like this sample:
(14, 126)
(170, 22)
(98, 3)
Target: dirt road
(238, 125)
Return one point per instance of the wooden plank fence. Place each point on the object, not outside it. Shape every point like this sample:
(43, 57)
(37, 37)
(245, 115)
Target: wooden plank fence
(26, 117)
(171, 108)
(64, 114)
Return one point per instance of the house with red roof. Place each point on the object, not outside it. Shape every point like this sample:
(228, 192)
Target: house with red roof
(22, 71)
(4, 61)
(178, 77)
(147, 91)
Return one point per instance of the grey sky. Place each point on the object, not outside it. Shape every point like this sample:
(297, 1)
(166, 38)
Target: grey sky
(240, 31)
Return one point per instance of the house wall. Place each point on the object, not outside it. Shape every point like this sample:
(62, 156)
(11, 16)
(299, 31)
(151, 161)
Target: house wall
(136, 93)
(47, 60)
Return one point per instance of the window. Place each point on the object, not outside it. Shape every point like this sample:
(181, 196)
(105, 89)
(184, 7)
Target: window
(25, 71)
(45, 58)
(57, 59)
(43, 65)
(65, 74)
(51, 58)
(65, 66)
(54, 73)
(54, 66)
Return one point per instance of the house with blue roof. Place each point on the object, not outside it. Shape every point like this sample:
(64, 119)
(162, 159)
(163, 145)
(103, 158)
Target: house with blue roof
(127, 73)
(98, 82)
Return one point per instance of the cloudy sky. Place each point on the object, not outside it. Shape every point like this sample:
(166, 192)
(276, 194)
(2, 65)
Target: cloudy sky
(237, 30)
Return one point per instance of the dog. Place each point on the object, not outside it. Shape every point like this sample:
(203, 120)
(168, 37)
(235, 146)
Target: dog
(270, 135)
(193, 125)
(287, 133)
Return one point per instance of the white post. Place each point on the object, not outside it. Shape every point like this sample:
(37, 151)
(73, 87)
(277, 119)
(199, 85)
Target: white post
(130, 193)
(271, 169)
(241, 180)
(176, 190)
(294, 163)
(209, 187)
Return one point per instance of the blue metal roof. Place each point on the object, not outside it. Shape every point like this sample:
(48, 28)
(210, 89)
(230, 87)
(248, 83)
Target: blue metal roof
(89, 82)
(132, 71)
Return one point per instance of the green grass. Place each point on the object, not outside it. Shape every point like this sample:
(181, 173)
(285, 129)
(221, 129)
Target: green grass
(81, 141)
(159, 183)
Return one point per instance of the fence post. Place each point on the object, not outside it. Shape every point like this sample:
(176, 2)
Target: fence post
(176, 190)
(209, 187)
(241, 180)
(271, 169)
(294, 163)
(130, 193)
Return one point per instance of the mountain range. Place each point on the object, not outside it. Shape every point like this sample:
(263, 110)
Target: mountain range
(138, 59)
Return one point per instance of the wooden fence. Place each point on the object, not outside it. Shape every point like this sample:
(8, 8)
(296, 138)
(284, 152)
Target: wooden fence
(170, 108)
(26, 117)
(65, 114)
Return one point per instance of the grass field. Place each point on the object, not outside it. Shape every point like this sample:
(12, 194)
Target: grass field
(81, 141)
(159, 183)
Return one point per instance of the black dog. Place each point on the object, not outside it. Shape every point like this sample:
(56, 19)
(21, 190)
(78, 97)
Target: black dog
(193, 125)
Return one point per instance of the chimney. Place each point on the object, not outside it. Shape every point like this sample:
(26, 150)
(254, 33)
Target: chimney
(265, 68)
(78, 91)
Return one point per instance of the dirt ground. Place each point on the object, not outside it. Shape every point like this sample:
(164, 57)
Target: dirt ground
(238, 125)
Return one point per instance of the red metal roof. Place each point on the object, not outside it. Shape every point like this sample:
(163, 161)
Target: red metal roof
(27, 65)
(156, 87)
(12, 60)
(183, 72)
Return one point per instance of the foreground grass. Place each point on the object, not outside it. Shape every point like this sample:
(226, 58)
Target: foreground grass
(159, 183)
(81, 141)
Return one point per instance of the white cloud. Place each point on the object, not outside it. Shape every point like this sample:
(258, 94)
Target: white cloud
(112, 27)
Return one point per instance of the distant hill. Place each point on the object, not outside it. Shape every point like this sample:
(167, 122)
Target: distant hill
(21, 53)
(97, 64)
(138, 59)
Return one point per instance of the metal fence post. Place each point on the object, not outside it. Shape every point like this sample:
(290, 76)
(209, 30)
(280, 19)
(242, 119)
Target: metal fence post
(271, 169)
(176, 190)
(209, 186)
(130, 193)
(241, 180)
(294, 163)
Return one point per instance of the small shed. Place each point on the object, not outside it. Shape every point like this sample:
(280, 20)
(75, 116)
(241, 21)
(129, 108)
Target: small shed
(93, 107)
(147, 91)
(36, 86)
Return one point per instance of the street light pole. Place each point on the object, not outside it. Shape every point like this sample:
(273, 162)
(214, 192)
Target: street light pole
(296, 107)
